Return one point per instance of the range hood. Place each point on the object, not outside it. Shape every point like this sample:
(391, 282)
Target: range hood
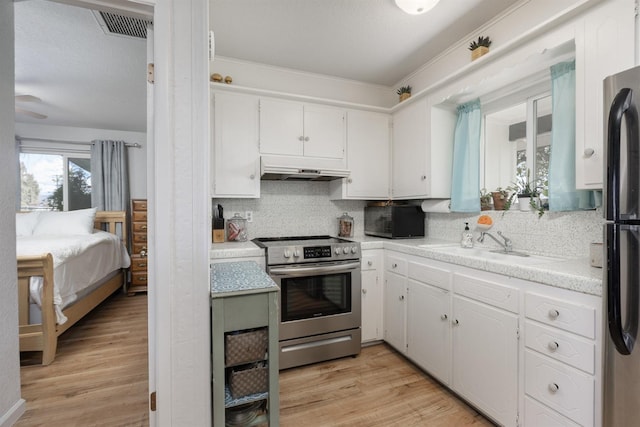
(274, 168)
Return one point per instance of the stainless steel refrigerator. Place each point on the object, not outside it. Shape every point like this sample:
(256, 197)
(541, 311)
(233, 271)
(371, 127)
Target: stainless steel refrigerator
(621, 295)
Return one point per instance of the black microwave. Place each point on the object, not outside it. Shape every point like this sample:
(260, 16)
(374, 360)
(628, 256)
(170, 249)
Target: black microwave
(394, 222)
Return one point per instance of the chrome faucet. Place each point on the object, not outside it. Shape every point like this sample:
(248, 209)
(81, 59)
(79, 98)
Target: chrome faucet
(507, 245)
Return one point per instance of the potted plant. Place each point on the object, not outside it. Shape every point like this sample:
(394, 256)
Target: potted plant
(479, 47)
(485, 200)
(528, 194)
(404, 92)
(501, 199)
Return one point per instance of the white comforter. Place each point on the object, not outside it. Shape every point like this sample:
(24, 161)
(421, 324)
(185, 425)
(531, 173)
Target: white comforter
(78, 262)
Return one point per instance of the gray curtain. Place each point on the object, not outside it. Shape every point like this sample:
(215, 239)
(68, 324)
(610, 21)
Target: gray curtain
(109, 176)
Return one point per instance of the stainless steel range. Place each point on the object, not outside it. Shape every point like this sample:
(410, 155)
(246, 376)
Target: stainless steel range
(319, 279)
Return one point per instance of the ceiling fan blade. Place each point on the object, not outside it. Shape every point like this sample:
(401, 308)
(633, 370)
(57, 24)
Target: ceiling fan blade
(30, 113)
(27, 98)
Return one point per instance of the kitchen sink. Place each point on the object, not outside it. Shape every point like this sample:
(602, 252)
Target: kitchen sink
(514, 257)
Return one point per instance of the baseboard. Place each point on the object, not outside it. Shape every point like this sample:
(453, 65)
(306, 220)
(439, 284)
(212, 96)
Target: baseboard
(12, 415)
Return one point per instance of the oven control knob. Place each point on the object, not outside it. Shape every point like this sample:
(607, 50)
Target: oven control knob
(287, 253)
(354, 249)
(345, 250)
(338, 251)
(296, 253)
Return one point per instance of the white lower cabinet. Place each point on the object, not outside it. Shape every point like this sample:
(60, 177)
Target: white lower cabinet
(523, 353)
(395, 292)
(485, 358)
(372, 295)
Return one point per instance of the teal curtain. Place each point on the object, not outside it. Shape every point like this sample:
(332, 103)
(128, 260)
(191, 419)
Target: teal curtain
(465, 180)
(563, 195)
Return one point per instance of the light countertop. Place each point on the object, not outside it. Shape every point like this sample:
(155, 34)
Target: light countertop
(569, 273)
(239, 277)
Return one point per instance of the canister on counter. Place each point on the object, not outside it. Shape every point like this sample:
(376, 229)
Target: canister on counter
(345, 225)
(237, 229)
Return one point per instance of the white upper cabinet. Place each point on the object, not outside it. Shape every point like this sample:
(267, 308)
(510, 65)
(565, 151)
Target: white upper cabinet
(605, 44)
(298, 129)
(422, 151)
(410, 152)
(236, 160)
(367, 157)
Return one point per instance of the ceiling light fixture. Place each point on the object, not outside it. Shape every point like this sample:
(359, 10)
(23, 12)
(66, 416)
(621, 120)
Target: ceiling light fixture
(416, 7)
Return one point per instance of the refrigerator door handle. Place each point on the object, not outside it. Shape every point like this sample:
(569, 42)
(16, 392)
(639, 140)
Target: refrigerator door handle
(623, 107)
(623, 337)
(619, 106)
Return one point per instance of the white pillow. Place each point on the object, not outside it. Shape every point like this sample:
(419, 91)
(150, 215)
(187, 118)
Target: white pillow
(25, 223)
(70, 222)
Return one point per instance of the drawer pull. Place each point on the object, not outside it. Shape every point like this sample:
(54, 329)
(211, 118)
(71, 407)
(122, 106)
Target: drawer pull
(364, 291)
(143, 278)
(401, 298)
(369, 263)
(142, 264)
(443, 317)
(143, 252)
(553, 313)
(144, 227)
(455, 322)
(553, 345)
(553, 388)
(394, 265)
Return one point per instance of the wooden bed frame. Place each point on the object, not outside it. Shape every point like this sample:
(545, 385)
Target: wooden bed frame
(44, 336)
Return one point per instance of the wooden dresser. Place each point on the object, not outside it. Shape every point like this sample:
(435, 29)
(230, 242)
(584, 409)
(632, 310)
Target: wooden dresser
(138, 246)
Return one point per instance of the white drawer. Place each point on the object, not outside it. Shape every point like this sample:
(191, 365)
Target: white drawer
(561, 346)
(565, 389)
(396, 264)
(538, 415)
(571, 317)
(430, 275)
(370, 262)
(501, 296)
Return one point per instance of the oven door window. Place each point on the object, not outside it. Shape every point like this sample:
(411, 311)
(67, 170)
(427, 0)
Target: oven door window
(315, 296)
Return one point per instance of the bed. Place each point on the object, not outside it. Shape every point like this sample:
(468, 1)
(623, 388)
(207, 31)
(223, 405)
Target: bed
(68, 263)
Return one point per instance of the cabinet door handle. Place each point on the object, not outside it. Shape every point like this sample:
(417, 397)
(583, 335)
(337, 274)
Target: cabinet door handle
(369, 263)
(588, 152)
(553, 388)
(443, 317)
(349, 180)
(364, 291)
(301, 138)
(252, 176)
(401, 298)
(423, 177)
(306, 138)
(394, 265)
(553, 346)
(455, 322)
(553, 313)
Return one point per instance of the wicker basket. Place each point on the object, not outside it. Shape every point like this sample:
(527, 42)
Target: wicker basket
(243, 382)
(246, 347)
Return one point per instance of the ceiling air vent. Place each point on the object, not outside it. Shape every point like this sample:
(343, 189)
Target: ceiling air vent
(119, 25)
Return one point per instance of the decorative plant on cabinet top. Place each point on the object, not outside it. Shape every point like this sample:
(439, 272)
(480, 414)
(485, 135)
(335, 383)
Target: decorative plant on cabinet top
(479, 47)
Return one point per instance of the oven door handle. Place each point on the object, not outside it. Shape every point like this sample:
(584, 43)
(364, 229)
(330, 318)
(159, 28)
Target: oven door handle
(306, 271)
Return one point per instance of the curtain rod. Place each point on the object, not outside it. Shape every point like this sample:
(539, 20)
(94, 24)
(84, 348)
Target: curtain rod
(127, 144)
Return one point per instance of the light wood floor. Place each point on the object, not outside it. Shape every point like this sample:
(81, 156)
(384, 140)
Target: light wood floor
(99, 378)
(377, 388)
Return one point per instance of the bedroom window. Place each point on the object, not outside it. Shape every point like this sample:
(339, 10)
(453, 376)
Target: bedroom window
(60, 182)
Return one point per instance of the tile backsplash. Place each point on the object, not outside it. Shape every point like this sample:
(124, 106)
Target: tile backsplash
(303, 208)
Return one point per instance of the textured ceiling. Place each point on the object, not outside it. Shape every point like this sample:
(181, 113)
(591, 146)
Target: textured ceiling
(366, 40)
(85, 78)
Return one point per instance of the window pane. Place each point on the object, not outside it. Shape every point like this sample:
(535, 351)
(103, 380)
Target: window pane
(41, 181)
(505, 146)
(543, 146)
(79, 184)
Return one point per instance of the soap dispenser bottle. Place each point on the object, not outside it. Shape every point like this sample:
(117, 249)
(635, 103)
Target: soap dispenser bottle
(467, 237)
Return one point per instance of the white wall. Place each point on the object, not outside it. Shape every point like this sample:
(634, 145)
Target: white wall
(11, 405)
(286, 81)
(137, 156)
